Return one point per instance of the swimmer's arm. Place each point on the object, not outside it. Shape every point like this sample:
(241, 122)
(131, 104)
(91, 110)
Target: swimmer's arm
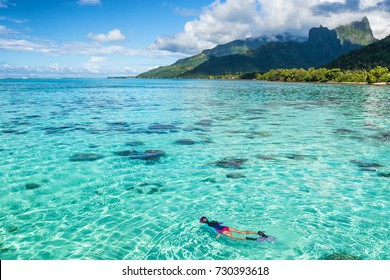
(215, 230)
(218, 235)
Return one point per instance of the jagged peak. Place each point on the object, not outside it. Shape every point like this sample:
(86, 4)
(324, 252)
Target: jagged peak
(357, 32)
(363, 24)
(321, 33)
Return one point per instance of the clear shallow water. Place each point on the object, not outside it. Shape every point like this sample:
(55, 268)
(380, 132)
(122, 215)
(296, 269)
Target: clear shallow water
(314, 154)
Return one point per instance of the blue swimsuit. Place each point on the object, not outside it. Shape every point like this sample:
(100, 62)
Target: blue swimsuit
(217, 226)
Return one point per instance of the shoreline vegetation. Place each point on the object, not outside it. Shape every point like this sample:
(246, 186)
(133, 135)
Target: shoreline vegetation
(376, 76)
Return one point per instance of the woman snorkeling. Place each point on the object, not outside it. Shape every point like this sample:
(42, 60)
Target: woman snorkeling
(227, 231)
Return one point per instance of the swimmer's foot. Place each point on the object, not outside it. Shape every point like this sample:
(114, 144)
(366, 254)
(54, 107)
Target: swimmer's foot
(250, 238)
(262, 234)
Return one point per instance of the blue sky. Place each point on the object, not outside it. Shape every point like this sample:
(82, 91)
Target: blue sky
(97, 38)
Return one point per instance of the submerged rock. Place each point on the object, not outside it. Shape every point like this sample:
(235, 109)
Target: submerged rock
(207, 141)
(257, 111)
(365, 164)
(93, 146)
(200, 129)
(135, 143)
(148, 155)
(5, 249)
(33, 116)
(266, 157)
(359, 138)
(229, 162)
(235, 175)
(255, 118)
(154, 190)
(162, 127)
(384, 174)
(11, 229)
(120, 124)
(368, 169)
(344, 131)
(126, 153)
(14, 131)
(382, 136)
(258, 134)
(147, 188)
(300, 157)
(204, 122)
(118, 127)
(185, 142)
(237, 131)
(86, 157)
(209, 180)
(32, 186)
(341, 256)
(261, 134)
(58, 129)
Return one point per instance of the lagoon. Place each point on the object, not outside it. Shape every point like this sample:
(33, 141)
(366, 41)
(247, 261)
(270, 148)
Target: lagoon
(123, 169)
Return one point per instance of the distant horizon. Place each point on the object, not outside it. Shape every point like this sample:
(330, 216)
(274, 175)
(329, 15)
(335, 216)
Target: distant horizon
(103, 38)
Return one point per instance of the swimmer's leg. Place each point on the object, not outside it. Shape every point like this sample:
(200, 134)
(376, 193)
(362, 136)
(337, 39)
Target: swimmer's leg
(241, 231)
(228, 234)
(262, 234)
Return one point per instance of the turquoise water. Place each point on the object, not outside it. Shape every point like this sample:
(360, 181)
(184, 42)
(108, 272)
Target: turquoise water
(310, 165)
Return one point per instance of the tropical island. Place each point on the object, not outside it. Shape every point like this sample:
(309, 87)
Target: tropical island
(346, 54)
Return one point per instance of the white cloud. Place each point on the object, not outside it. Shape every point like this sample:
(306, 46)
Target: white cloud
(4, 4)
(24, 45)
(8, 32)
(89, 2)
(95, 50)
(92, 68)
(225, 21)
(368, 3)
(94, 64)
(113, 35)
(3, 29)
(14, 20)
(97, 59)
(51, 70)
(55, 70)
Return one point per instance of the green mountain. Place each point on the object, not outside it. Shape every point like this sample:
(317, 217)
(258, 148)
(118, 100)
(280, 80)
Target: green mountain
(355, 35)
(184, 65)
(176, 69)
(264, 53)
(321, 47)
(368, 57)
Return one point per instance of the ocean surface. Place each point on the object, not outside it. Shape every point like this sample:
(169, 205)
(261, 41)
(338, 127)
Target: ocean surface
(123, 169)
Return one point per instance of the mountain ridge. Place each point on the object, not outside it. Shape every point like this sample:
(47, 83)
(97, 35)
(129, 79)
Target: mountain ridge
(367, 57)
(321, 47)
(270, 52)
(234, 47)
